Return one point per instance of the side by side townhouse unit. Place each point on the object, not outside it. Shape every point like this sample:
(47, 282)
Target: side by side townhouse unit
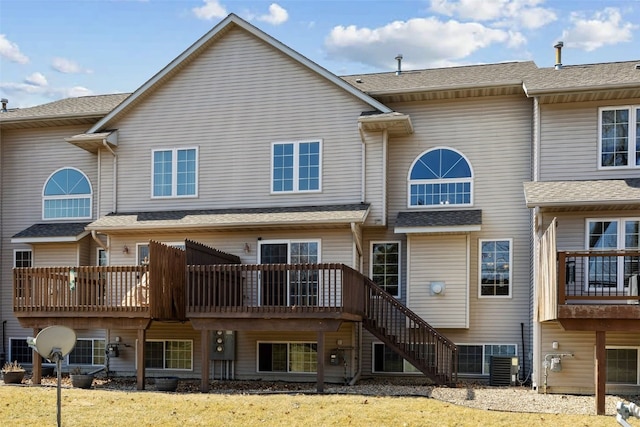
(246, 214)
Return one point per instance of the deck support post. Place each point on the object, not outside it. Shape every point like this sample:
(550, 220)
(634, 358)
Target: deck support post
(320, 368)
(601, 371)
(142, 337)
(36, 373)
(205, 349)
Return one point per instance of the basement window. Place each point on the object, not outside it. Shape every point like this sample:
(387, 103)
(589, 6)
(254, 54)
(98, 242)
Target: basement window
(169, 354)
(291, 357)
(385, 360)
(88, 351)
(622, 365)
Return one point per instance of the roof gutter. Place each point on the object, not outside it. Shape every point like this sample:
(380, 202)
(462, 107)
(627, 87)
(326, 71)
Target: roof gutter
(581, 89)
(583, 203)
(518, 83)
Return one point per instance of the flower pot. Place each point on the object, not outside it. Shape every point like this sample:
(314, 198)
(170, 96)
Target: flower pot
(13, 377)
(167, 384)
(81, 380)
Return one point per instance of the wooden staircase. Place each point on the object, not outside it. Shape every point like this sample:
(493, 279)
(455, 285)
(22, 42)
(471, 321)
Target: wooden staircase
(409, 335)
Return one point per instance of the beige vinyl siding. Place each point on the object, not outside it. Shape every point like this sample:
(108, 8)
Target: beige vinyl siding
(375, 174)
(246, 351)
(335, 245)
(233, 102)
(29, 157)
(55, 254)
(494, 134)
(569, 142)
(439, 259)
(577, 374)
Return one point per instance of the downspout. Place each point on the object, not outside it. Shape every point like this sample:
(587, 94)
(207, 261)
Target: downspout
(356, 376)
(536, 222)
(385, 143)
(94, 235)
(115, 173)
(363, 167)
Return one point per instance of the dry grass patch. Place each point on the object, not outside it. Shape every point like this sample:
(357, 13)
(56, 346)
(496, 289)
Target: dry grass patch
(33, 405)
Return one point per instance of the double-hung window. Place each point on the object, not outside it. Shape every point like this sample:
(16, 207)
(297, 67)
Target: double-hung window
(385, 266)
(495, 268)
(388, 361)
(619, 137)
(296, 166)
(175, 172)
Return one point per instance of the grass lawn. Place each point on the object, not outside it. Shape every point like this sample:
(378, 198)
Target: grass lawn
(36, 406)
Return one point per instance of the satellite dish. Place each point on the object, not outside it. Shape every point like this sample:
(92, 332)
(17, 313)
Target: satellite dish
(54, 343)
(54, 340)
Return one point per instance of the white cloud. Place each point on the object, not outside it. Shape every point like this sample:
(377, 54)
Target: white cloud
(277, 15)
(11, 51)
(211, 9)
(605, 27)
(503, 13)
(424, 42)
(36, 79)
(67, 66)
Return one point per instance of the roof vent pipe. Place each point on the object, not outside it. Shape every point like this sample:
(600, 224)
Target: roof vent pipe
(558, 47)
(4, 102)
(399, 59)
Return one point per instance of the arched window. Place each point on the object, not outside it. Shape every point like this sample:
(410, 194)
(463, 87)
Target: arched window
(440, 176)
(66, 194)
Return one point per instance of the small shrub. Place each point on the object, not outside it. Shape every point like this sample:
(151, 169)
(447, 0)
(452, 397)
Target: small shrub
(12, 367)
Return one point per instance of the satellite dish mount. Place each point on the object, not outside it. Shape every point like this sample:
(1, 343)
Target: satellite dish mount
(54, 343)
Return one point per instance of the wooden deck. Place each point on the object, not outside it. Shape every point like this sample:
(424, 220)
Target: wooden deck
(598, 290)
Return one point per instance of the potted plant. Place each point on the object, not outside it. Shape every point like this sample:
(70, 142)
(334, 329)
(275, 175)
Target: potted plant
(167, 383)
(12, 373)
(80, 380)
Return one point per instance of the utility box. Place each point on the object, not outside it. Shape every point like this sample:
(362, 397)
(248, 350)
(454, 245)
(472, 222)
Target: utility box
(336, 357)
(223, 345)
(504, 370)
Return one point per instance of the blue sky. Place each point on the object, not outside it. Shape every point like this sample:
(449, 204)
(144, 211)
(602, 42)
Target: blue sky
(55, 49)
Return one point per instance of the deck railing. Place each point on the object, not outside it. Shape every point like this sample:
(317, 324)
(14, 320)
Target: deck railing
(294, 288)
(81, 289)
(603, 277)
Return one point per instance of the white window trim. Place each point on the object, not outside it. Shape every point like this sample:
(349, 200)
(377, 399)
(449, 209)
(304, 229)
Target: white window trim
(483, 345)
(164, 360)
(405, 365)
(631, 152)
(174, 172)
(624, 347)
(620, 246)
(379, 242)
(511, 269)
(67, 357)
(288, 357)
(410, 182)
(296, 164)
(15, 253)
(66, 197)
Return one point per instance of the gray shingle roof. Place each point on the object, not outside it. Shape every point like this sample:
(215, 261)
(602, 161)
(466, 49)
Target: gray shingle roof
(52, 230)
(82, 106)
(439, 218)
(587, 76)
(508, 73)
(220, 218)
(582, 193)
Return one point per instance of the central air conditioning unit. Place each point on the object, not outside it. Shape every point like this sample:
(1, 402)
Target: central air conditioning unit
(504, 370)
